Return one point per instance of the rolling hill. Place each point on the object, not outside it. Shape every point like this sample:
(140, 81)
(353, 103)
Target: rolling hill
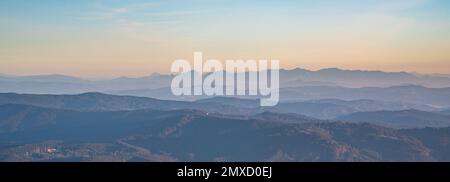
(188, 135)
(104, 102)
(321, 109)
(400, 119)
(413, 94)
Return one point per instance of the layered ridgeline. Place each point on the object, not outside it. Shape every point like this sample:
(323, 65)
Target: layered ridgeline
(296, 84)
(409, 94)
(327, 109)
(31, 133)
(288, 78)
(105, 102)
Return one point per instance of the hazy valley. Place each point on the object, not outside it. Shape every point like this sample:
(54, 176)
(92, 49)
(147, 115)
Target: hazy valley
(325, 115)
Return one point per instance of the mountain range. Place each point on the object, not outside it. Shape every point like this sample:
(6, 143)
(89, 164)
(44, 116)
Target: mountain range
(362, 78)
(61, 84)
(188, 135)
(325, 115)
(321, 109)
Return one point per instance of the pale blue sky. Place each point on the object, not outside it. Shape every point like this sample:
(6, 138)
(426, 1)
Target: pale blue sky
(127, 38)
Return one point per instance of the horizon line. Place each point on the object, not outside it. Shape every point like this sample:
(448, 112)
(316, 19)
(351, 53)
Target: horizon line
(416, 73)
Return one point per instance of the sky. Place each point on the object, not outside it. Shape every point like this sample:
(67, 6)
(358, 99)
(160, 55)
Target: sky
(111, 38)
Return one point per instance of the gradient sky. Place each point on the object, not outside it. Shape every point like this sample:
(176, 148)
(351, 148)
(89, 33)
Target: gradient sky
(108, 38)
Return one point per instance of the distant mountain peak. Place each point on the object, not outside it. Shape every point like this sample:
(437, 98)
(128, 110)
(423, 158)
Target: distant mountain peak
(92, 94)
(156, 74)
(332, 69)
